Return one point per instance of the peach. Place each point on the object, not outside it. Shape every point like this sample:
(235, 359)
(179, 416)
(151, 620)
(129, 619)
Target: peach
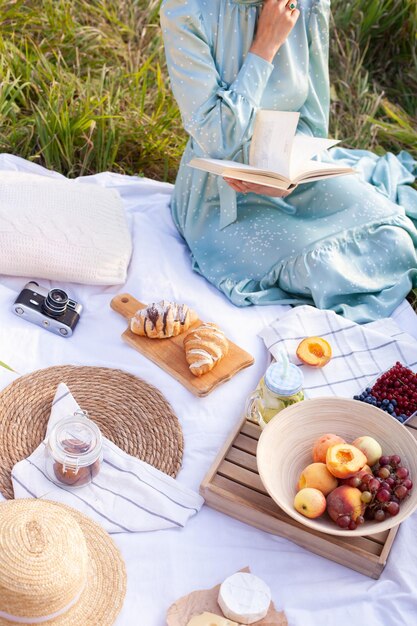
(314, 351)
(345, 500)
(370, 447)
(310, 502)
(343, 460)
(317, 476)
(322, 444)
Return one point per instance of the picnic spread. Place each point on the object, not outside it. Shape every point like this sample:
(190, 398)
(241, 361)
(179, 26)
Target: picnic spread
(131, 411)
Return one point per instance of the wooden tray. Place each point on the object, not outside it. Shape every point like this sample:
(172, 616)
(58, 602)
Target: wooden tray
(233, 486)
(170, 356)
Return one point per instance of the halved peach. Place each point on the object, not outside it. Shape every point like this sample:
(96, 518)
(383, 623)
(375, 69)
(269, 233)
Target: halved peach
(344, 460)
(314, 351)
(322, 444)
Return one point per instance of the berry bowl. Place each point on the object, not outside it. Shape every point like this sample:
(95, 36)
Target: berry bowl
(285, 450)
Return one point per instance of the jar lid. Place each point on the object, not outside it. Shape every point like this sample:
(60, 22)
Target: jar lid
(284, 379)
(75, 441)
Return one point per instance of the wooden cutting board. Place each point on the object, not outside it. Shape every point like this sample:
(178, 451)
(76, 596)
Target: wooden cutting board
(170, 356)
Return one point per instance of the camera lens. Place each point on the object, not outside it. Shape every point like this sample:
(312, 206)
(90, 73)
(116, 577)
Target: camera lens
(55, 302)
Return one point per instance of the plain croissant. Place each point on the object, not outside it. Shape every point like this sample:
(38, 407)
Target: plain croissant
(204, 347)
(160, 320)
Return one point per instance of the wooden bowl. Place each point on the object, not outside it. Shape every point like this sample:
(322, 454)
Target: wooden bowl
(285, 449)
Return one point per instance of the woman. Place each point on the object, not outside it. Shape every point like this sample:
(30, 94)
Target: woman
(341, 244)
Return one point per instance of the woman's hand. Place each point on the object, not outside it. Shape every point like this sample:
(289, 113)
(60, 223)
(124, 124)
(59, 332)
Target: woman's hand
(243, 187)
(275, 23)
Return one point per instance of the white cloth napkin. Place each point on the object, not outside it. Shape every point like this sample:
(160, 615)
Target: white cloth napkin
(127, 495)
(360, 353)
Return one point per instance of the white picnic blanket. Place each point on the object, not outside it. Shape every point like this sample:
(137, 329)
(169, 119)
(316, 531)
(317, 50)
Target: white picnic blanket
(127, 495)
(163, 566)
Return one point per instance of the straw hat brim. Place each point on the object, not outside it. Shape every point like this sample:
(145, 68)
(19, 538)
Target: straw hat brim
(105, 590)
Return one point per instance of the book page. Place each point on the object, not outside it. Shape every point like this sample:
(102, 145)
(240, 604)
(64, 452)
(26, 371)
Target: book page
(240, 171)
(304, 148)
(272, 141)
(323, 170)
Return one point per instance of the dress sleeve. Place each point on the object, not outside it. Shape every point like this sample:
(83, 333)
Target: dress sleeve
(314, 114)
(218, 116)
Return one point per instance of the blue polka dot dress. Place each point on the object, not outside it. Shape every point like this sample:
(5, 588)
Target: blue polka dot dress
(346, 244)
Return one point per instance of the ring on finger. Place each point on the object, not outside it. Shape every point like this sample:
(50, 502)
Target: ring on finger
(292, 5)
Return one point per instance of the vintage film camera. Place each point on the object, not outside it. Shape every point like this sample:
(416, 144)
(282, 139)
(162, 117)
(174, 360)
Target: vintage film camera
(52, 309)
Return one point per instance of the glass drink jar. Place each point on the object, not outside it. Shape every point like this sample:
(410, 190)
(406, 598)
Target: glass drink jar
(280, 387)
(74, 451)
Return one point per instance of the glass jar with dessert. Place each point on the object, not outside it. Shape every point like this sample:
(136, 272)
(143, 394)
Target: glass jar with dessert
(74, 451)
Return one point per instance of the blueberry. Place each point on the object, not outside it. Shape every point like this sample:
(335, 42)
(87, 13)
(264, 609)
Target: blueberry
(356, 398)
(390, 408)
(368, 400)
(394, 402)
(394, 414)
(368, 390)
(385, 402)
(378, 403)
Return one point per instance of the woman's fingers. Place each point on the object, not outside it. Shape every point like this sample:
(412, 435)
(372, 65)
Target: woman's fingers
(244, 187)
(237, 185)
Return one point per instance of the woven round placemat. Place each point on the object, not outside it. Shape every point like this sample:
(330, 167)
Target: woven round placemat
(128, 411)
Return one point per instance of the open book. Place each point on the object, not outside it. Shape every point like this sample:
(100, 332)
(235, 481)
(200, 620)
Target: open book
(277, 156)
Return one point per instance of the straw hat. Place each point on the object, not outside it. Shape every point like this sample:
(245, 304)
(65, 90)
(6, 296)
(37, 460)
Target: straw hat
(57, 567)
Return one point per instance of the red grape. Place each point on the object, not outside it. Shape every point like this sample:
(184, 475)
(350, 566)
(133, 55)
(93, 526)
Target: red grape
(401, 492)
(383, 495)
(374, 484)
(401, 472)
(393, 508)
(343, 521)
(354, 481)
(384, 472)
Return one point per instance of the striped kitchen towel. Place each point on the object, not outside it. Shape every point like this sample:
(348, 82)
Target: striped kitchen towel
(126, 496)
(360, 353)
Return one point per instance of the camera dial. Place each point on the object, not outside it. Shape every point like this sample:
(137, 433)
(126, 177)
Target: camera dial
(55, 303)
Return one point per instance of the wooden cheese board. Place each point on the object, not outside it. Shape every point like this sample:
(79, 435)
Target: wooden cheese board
(170, 356)
(233, 486)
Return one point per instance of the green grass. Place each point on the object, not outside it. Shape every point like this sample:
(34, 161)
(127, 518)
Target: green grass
(84, 85)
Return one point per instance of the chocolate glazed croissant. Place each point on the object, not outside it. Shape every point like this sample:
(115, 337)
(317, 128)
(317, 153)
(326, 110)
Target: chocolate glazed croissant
(204, 347)
(160, 320)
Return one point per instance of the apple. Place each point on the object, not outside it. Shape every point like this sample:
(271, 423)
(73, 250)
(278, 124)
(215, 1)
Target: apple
(310, 502)
(317, 476)
(370, 447)
(322, 444)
